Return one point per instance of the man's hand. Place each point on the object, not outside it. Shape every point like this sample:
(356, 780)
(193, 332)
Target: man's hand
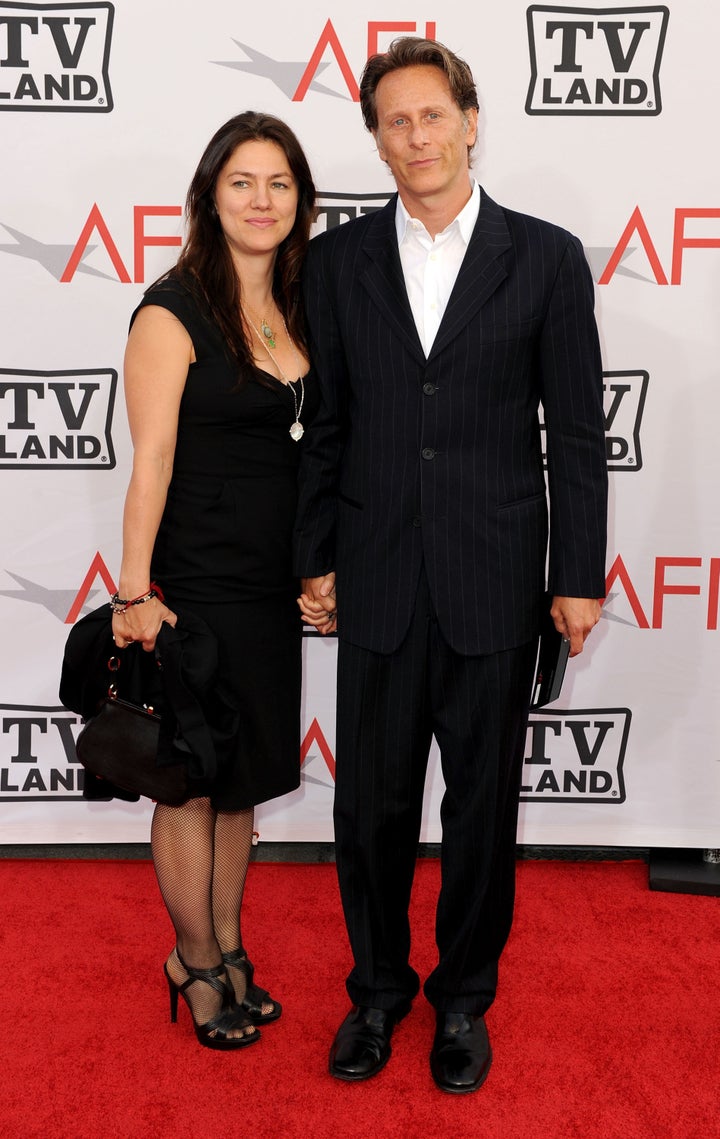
(317, 602)
(575, 618)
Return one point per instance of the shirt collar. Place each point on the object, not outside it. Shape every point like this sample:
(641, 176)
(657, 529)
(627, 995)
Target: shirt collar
(465, 220)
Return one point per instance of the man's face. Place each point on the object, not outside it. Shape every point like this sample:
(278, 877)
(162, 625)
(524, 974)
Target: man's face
(422, 134)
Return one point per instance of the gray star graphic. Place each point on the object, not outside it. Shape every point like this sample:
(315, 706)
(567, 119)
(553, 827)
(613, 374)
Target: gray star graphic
(54, 257)
(56, 601)
(310, 758)
(598, 257)
(285, 75)
(607, 616)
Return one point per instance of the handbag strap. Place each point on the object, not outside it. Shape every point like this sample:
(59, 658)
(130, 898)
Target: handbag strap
(114, 665)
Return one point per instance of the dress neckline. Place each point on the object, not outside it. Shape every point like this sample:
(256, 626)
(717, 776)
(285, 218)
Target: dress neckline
(278, 381)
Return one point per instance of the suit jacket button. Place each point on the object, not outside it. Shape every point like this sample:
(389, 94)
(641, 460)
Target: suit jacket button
(428, 453)
(429, 389)
(417, 520)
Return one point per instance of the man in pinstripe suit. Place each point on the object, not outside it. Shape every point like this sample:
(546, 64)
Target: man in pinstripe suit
(438, 324)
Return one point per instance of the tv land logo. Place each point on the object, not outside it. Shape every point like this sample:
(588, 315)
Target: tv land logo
(64, 419)
(576, 757)
(623, 406)
(55, 57)
(595, 61)
(38, 759)
(37, 753)
(571, 757)
(334, 209)
(57, 419)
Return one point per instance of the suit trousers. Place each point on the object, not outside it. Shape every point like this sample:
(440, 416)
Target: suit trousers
(389, 707)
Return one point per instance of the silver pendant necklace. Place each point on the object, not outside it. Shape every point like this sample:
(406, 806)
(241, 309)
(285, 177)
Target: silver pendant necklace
(267, 338)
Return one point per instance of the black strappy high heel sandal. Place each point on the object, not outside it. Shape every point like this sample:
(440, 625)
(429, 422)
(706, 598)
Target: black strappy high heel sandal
(215, 1032)
(255, 997)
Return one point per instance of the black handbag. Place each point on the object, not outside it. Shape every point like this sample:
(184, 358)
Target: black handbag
(153, 721)
(119, 694)
(120, 744)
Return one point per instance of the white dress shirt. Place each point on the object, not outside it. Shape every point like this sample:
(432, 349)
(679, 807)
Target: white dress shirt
(431, 267)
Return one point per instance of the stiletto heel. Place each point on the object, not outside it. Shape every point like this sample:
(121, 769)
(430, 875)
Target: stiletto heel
(215, 1032)
(173, 990)
(255, 997)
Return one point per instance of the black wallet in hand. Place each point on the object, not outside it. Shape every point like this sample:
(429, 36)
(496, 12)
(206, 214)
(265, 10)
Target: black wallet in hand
(552, 658)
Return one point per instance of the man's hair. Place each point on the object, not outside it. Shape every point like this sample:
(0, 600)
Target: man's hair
(411, 51)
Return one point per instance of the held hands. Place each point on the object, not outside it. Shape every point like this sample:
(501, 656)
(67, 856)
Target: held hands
(575, 618)
(317, 603)
(141, 623)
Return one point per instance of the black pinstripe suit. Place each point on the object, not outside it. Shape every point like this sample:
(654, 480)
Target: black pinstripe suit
(422, 485)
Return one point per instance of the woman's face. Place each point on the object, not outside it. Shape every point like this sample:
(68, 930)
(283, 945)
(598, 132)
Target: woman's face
(256, 198)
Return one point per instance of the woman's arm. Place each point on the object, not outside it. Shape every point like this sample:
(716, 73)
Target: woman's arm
(158, 354)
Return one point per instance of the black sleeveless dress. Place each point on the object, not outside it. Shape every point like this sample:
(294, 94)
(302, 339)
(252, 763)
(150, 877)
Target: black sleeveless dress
(223, 550)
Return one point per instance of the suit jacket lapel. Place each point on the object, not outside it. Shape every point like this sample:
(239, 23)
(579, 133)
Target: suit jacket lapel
(383, 278)
(482, 271)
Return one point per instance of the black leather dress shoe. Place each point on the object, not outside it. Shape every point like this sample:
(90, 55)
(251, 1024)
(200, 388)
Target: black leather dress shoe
(362, 1045)
(461, 1055)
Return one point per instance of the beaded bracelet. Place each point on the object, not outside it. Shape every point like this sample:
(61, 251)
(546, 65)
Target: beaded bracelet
(120, 604)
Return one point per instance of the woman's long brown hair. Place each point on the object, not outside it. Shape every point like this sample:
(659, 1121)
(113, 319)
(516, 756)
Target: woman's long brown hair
(206, 261)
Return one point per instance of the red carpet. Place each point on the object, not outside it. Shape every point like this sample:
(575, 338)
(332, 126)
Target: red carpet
(607, 1023)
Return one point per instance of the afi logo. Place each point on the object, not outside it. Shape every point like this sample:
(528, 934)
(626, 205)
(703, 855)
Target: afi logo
(54, 57)
(95, 232)
(31, 741)
(314, 742)
(595, 61)
(576, 757)
(673, 576)
(685, 236)
(96, 245)
(295, 78)
(57, 419)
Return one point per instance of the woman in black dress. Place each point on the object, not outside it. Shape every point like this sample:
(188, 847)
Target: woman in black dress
(217, 390)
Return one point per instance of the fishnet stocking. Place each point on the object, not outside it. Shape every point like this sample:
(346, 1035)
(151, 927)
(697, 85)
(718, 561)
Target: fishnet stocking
(233, 846)
(233, 843)
(183, 847)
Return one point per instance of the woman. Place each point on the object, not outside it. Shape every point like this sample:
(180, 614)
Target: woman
(218, 394)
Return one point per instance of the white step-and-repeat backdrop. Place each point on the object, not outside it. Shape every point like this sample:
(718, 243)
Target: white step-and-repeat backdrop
(598, 118)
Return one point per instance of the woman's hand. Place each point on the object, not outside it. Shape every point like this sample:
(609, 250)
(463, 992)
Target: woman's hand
(141, 623)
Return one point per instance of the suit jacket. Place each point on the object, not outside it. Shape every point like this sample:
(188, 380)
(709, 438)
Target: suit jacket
(439, 460)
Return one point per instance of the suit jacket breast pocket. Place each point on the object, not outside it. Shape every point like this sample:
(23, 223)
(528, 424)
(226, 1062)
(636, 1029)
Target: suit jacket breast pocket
(500, 331)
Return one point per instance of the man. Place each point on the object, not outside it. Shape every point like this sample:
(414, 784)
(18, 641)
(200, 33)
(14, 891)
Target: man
(438, 324)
